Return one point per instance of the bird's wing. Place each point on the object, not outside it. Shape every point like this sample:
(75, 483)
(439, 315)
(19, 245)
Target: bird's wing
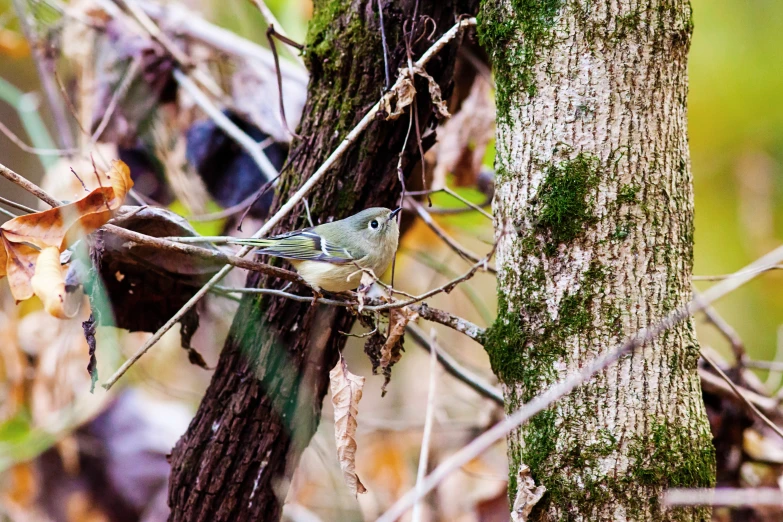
(305, 245)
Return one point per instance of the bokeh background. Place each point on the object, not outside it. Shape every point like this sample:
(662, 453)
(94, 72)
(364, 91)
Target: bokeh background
(48, 416)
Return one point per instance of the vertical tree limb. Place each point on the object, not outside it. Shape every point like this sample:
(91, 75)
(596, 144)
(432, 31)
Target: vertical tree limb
(264, 402)
(593, 173)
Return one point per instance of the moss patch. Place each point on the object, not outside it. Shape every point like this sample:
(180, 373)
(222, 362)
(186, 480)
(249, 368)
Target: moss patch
(565, 199)
(515, 41)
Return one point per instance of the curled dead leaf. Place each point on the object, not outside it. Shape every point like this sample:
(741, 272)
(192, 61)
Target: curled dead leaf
(48, 283)
(395, 101)
(120, 179)
(437, 99)
(398, 320)
(403, 93)
(346, 394)
(528, 495)
(24, 237)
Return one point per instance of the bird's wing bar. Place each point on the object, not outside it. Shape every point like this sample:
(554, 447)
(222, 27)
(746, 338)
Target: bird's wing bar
(307, 246)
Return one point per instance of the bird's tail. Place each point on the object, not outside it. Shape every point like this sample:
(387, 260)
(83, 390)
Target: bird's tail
(252, 242)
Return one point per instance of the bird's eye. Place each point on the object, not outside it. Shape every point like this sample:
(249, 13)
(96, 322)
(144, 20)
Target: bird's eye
(374, 224)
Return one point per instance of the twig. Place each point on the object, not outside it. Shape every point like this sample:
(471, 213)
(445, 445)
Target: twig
(734, 388)
(184, 22)
(116, 97)
(443, 270)
(737, 346)
(387, 83)
(45, 76)
(731, 497)
(271, 21)
(34, 150)
(288, 206)
(772, 382)
(229, 127)
(448, 287)
(450, 241)
(270, 32)
(17, 206)
(714, 384)
(179, 56)
(424, 455)
(454, 322)
(30, 187)
(8, 213)
(773, 366)
(454, 368)
(475, 207)
(726, 276)
(138, 239)
(286, 295)
(571, 382)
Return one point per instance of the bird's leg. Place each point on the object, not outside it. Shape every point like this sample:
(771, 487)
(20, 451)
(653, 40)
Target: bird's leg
(316, 295)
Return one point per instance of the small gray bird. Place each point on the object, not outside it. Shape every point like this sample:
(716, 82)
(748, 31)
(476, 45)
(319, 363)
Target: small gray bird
(329, 256)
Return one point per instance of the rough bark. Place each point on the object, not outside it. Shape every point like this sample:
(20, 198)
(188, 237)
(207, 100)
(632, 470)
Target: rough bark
(594, 210)
(264, 401)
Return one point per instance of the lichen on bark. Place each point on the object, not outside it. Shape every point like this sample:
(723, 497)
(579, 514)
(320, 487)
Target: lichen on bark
(594, 215)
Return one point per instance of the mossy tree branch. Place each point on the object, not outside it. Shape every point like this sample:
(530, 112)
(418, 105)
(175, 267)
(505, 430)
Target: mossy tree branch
(264, 401)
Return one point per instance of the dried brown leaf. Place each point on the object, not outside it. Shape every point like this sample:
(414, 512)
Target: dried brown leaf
(437, 99)
(398, 320)
(395, 101)
(528, 495)
(403, 93)
(25, 236)
(346, 394)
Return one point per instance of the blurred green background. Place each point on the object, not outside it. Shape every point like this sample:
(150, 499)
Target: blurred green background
(736, 137)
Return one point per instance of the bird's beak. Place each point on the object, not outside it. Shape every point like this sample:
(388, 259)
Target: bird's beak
(395, 212)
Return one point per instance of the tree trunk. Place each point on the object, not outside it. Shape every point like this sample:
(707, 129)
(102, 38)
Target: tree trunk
(264, 402)
(594, 196)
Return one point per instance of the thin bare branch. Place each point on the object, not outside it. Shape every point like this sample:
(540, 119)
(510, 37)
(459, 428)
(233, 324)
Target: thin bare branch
(571, 382)
(117, 96)
(45, 67)
(737, 346)
(454, 322)
(454, 368)
(747, 401)
(16, 140)
(773, 366)
(29, 186)
(271, 21)
(731, 497)
(270, 33)
(17, 206)
(715, 384)
(385, 48)
(450, 241)
(726, 276)
(424, 455)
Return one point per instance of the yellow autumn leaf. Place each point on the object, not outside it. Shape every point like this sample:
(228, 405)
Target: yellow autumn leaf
(48, 284)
